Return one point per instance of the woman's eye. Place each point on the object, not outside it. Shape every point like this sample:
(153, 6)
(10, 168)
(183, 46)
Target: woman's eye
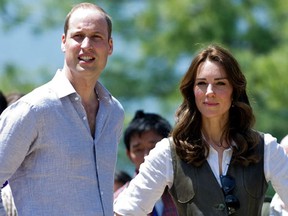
(201, 83)
(221, 83)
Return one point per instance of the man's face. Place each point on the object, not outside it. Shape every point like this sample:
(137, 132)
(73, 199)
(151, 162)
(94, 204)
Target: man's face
(86, 44)
(140, 146)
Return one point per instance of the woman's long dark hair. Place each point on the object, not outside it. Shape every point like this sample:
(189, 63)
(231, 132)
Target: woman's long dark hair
(187, 131)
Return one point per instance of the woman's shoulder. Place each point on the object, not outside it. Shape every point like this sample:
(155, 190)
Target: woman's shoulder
(161, 151)
(163, 145)
(269, 139)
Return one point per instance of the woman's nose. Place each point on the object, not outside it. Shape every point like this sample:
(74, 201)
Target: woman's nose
(210, 90)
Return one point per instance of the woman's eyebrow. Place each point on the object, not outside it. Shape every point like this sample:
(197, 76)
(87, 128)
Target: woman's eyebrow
(218, 78)
(221, 78)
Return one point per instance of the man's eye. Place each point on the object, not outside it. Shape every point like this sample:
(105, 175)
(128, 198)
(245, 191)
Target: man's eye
(96, 37)
(221, 83)
(77, 36)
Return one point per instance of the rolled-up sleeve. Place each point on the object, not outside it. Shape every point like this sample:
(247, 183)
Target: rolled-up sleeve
(17, 132)
(15, 129)
(276, 166)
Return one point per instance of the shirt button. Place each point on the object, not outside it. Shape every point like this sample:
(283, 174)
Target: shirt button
(84, 118)
(102, 193)
(220, 206)
(76, 98)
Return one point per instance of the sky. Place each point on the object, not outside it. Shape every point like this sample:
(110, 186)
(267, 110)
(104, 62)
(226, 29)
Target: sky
(33, 51)
(28, 51)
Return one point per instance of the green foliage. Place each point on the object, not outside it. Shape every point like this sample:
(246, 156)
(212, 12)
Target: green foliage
(15, 79)
(13, 13)
(267, 83)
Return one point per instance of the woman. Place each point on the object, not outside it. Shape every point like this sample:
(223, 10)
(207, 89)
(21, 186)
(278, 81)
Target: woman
(214, 163)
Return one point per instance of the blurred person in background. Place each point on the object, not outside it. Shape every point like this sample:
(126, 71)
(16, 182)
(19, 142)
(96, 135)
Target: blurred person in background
(3, 102)
(141, 135)
(14, 96)
(121, 178)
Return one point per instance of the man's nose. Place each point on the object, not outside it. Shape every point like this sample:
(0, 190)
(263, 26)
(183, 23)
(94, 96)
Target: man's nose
(86, 43)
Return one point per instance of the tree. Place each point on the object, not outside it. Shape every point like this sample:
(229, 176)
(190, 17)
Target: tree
(170, 32)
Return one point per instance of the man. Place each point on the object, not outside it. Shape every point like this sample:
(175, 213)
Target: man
(141, 135)
(58, 144)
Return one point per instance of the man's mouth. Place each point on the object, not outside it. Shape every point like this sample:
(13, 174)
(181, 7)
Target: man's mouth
(86, 58)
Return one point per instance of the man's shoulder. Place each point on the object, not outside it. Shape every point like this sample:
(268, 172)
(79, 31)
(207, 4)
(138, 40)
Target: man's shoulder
(42, 89)
(38, 98)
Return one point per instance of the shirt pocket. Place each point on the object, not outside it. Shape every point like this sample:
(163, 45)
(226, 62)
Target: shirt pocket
(252, 175)
(184, 190)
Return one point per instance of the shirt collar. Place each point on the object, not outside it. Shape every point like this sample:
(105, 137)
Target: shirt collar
(62, 85)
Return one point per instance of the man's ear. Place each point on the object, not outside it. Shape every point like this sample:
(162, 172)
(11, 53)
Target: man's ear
(110, 42)
(63, 40)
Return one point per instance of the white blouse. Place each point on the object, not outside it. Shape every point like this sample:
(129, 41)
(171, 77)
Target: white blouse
(157, 172)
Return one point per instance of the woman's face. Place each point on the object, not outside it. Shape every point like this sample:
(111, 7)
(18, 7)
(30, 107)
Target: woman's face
(212, 90)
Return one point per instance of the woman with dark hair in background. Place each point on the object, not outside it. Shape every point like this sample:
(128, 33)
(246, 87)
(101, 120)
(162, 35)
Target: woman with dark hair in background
(3, 102)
